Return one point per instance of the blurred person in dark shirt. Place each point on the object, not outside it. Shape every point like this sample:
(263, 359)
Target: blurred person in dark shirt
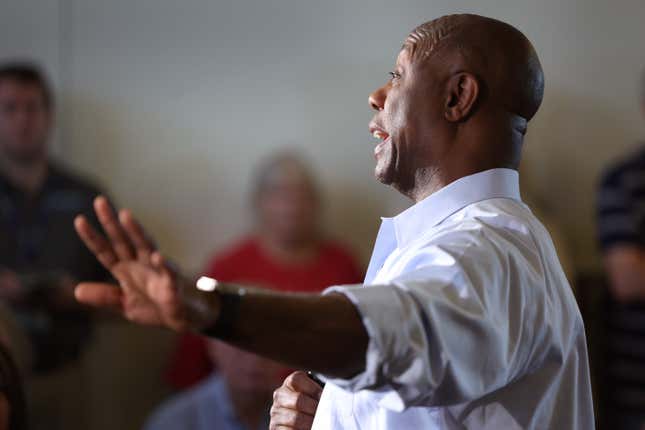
(13, 405)
(621, 232)
(40, 256)
(286, 251)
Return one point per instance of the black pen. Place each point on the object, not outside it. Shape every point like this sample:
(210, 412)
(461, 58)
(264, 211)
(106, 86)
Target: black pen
(315, 379)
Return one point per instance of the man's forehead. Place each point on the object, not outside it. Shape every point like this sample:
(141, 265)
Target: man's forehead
(404, 55)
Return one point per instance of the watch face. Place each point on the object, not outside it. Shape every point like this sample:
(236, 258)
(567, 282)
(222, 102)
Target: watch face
(206, 284)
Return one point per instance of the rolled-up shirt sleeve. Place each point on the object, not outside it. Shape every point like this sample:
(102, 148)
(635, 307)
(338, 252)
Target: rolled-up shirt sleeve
(450, 329)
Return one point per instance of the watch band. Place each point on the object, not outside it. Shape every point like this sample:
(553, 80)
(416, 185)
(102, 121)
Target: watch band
(224, 326)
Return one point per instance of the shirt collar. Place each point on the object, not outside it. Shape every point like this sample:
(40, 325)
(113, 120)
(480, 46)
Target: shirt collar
(429, 212)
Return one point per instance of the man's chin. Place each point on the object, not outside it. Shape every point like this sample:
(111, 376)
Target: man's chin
(390, 178)
(384, 176)
(385, 169)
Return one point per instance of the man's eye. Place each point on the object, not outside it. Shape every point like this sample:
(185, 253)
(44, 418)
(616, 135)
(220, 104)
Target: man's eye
(394, 75)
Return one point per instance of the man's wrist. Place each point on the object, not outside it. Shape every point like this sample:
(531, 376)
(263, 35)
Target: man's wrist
(230, 298)
(202, 307)
(213, 307)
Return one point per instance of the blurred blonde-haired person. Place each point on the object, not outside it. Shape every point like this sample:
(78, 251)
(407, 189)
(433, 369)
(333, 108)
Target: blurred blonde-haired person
(285, 250)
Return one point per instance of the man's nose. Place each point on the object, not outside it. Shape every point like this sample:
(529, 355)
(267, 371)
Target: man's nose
(377, 98)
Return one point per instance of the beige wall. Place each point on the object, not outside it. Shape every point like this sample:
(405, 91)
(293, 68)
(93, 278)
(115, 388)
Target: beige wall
(170, 104)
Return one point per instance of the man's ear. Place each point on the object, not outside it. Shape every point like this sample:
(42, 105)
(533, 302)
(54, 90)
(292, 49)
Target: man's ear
(462, 92)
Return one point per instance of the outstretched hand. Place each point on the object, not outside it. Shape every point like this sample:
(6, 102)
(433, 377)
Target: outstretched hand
(283, 327)
(149, 292)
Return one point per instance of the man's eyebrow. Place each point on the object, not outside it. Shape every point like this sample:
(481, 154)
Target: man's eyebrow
(409, 46)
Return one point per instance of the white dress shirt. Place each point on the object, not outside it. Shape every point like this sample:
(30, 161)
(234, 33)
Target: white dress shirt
(471, 321)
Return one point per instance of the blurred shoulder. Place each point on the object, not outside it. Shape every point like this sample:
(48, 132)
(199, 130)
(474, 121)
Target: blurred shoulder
(182, 410)
(65, 177)
(242, 251)
(338, 250)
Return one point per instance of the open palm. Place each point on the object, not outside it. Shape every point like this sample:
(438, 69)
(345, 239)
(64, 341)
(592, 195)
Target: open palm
(148, 290)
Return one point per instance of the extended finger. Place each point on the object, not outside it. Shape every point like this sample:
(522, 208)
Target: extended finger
(120, 243)
(100, 295)
(136, 234)
(96, 243)
(301, 383)
(287, 398)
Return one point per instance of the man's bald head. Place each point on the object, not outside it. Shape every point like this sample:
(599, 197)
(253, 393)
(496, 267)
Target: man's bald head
(497, 53)
(462, 92)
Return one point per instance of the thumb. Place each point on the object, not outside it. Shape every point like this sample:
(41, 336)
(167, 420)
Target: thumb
(100, 295)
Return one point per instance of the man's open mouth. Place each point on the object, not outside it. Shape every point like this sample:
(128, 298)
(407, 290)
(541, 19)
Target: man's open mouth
(382, 136)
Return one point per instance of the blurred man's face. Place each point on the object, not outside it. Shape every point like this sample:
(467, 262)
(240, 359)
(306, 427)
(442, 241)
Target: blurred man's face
(288, 206)
(24, 122)
(246, 372)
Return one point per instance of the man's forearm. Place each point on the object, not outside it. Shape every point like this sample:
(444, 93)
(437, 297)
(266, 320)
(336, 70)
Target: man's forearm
(320, 333)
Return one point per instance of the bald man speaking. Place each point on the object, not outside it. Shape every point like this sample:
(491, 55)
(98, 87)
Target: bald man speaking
(465, 320)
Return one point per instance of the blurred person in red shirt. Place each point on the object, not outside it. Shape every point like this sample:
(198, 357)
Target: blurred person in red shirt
(285, 251)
